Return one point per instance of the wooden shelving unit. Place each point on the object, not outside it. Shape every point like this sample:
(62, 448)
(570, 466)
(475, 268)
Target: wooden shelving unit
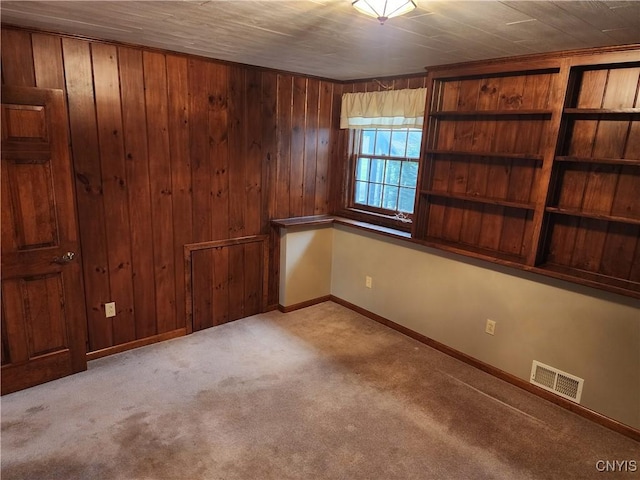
(593, 226)
(537, 165)
(483, 151)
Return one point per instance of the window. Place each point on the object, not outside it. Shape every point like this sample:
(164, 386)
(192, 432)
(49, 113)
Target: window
(385, 170)
(381, 171)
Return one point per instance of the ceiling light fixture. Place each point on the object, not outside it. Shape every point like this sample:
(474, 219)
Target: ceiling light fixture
(384, 9)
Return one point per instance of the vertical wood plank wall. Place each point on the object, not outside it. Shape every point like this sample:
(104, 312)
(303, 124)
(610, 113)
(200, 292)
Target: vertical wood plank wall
(170, 150)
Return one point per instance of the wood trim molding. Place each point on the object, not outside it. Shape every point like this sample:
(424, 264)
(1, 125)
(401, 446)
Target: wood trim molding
(595, 417)
(189, 248)
(180, 332)
(305, 304)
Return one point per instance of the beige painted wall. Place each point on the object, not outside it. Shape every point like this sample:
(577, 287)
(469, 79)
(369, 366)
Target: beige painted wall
(305, 264)
(582, 331)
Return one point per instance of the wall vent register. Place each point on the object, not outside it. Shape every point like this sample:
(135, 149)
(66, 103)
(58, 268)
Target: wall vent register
(556, 381)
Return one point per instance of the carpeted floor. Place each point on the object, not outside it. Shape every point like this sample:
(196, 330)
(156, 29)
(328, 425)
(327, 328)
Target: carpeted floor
(320, 393)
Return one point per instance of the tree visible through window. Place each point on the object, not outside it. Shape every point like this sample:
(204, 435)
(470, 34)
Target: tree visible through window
(386, 170)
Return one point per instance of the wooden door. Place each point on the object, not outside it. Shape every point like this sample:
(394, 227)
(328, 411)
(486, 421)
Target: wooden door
(43, 311)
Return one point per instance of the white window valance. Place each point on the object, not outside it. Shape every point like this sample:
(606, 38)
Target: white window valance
(389, 109)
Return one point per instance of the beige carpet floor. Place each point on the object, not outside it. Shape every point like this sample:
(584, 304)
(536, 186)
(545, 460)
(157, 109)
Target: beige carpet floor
(321, 393)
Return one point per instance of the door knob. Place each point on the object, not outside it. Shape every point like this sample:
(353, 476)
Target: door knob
(66, 258)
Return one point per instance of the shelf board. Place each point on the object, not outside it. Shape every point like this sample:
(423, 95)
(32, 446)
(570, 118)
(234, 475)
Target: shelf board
(594, 279)
(601, 111)
(473, 251)
(524, 156)
(595, 216)
(609, 161)
(492, 113)
(478, 199)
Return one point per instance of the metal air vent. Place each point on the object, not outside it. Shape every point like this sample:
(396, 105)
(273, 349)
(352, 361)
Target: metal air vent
(557, 381)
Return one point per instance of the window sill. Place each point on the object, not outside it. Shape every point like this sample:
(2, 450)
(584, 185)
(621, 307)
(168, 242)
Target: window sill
(333, 219)
(374, 218)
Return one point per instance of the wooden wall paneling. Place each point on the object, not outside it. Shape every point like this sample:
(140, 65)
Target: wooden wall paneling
(180, 153)
(499, 171)
(237, 199)
(436, 173)
(589, 244)
(338, 142)
(89, 189)
(592, 84)
(269, 106)
(221, 293)
(236, 282)
(198, 76)
(285, 93)
(478, 176)
(600, 188)
(4, 344)
(225, 153)
(134, 123)
(298, 134)
(632, 148)
(47, 61)
(253, 275)
(325, 126)
(619, 249)
(622, 87)
(572, 182)
(311, 146)
(17, 58)
(202, 188)
(254, 154)
(564, 230)
(155, 78)
(416, 82)
(634, 275)
(339, 149)
(521, 95)
(114, 185)
(625, 200)
(236, 161)
(220, 153)
(457, 176)
(245, 264)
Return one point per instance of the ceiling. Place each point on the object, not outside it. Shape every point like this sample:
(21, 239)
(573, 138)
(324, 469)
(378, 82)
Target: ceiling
(329, 38)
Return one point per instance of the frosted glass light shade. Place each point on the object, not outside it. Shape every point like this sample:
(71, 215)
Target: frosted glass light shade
(384, 9)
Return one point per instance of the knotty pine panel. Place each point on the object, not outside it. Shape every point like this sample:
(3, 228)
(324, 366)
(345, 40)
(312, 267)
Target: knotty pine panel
(170, 149)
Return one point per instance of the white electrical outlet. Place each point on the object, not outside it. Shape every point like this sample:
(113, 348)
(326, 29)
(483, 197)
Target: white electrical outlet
(491, 327)
(110, 309)
(368, 282)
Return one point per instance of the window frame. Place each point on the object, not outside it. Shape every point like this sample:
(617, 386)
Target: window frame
(367, 213)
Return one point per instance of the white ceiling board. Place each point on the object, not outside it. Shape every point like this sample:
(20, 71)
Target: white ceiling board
(329, 38)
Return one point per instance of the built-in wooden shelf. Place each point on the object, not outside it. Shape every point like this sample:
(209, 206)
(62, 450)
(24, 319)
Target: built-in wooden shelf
(523, 156)
(536, 112)
(473, 250)
(609, 161)
(479, 199)
(595, 216)
(303, 221)
(601, 111)
(618, 285)
(491, 113)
